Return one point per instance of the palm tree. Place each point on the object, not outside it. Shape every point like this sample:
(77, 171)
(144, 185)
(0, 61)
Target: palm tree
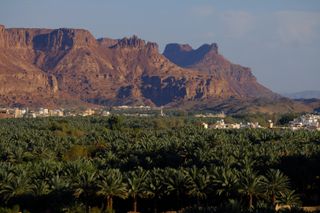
(251, 186)
(155, 186)
(58, 183)
(43, 170)
(177, 182)
(85, 185)
(15, 187)
(274, 184)
(200, 184)
(225, 181)
(39, 188)
(111, 185)
(137, 185)
(289, 198)
(17, 155)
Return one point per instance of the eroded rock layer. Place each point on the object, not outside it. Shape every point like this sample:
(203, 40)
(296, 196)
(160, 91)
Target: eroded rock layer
(50, 67)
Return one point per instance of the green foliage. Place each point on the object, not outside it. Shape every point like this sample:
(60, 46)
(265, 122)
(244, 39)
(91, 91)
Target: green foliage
(115, 122)
(63, 128)
(76, 152)
(14, 209)
(154, 163)
(286, 118)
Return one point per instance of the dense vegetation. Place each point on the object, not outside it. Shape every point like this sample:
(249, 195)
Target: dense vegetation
(95, 164)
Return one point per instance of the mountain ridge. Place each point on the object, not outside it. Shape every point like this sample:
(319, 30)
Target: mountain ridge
(306, 94)
(55, 66)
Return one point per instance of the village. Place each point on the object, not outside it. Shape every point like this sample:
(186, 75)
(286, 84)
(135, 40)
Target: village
(44, 112)
(25, 112)
(307, 121)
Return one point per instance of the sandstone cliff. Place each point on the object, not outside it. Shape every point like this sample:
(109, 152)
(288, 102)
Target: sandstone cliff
(226, 79)
(41, 67)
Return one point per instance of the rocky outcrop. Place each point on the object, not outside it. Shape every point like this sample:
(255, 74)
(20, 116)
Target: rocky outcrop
(226, 79)
(63, 39)
(41, 66)
(183, 55)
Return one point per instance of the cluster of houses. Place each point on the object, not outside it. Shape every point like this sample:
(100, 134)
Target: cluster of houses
(308, 121)
(125, 107)
(44, 112)
(211, 115)
(221, 124)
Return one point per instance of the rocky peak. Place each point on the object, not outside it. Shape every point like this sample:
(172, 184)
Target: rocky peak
(136, 43)
(152, 47)
(107, 42)
(175, 47)
(184, 55)
(206, 48)
(131, 42)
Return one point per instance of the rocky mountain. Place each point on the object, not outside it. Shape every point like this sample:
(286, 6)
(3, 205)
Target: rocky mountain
(227, 79)
(58, 67)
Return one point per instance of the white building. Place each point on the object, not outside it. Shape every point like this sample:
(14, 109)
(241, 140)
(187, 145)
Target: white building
(306, 121)
(205, 125)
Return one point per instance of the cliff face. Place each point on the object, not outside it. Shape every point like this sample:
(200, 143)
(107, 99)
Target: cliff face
(44, 66)
(226, 79)
(21, 81)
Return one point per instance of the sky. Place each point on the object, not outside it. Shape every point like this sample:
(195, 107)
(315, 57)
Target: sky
(278, 39)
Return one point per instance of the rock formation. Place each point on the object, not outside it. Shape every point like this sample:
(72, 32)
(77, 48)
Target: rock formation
(41, 67)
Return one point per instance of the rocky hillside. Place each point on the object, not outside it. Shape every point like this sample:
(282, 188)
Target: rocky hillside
(227, 79)
(46, 67)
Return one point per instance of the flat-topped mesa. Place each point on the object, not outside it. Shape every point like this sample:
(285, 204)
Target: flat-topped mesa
(45, 39)
(19, 37)
(184, 55)
(64, 39)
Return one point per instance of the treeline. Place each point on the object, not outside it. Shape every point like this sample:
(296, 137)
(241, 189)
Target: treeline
(95, 164)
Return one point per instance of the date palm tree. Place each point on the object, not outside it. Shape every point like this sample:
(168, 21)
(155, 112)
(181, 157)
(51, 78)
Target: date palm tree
(225, 181)
(155, 186)
(136, 184)
(200, 184)
(111, 185)
(39, 188)
(274, 184)
(177, 183)
(251, 186)
(16, 186)
(85, 185)
(289, 198)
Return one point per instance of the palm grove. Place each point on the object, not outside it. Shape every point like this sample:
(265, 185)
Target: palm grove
(155, 164)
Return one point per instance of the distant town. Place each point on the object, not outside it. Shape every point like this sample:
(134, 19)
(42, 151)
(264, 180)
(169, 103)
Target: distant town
(45, 112)
(307, 121)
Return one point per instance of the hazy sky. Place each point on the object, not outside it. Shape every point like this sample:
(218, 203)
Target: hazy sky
(278, 39)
